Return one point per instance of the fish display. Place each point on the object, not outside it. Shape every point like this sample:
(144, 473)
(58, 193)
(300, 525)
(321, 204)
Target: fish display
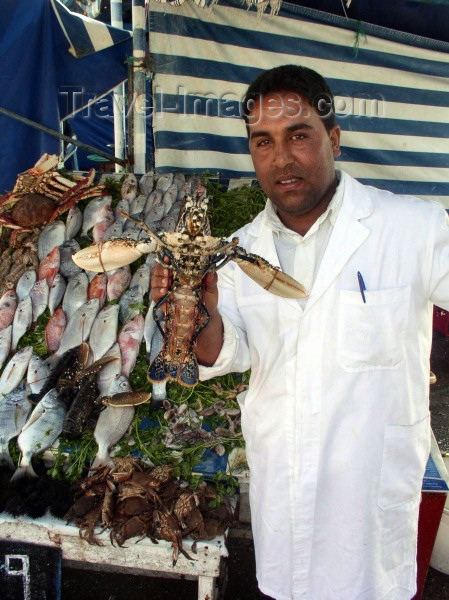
(14, 410)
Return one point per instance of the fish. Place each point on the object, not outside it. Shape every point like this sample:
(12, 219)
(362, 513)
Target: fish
(118, 281)
(5, 344)
(52, 235)
(170, 198)
(128, 190)
(105, 218)
(39, 298)
(129, 302)
(122, 207)
(40, 431)
(25, 283)
(14, 370)
(14, 410)
(73, 223)
(156, 213)
(141, 277)
(49, 266)
(179, 180)
(146, 183)
(8, 305)
(164, 182)
(137, 205)
(159, 390)
(67, 267)
(114, 231)
(129, 340)
(168, 223)
(104, 330)
(153, 199)
(112, 424)
(79, 326)
(149, 327)
(54, 330)
(109, 372)
(23, 317)
(37, 373)
(90, 212)
(75, 293)
(97, 288)
(56, 292)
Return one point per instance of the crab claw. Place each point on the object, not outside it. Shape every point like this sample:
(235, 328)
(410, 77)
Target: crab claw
(112, 254)
(269, 277)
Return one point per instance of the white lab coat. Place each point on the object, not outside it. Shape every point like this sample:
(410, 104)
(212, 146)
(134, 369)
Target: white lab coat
(336, 418)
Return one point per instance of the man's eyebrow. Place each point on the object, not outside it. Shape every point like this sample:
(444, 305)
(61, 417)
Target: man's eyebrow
(295, 127)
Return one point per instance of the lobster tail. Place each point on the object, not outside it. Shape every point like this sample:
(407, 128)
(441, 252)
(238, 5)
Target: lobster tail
(185, 373)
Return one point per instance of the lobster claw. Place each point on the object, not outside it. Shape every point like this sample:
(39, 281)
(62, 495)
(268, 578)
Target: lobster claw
(113, 254)
(270, 278)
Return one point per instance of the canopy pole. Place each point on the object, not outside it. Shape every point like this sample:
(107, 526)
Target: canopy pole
(139, 79)
(118, 94)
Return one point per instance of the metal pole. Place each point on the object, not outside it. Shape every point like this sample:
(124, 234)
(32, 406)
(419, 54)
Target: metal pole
(61, 136)
(139, 78)
(118, 94)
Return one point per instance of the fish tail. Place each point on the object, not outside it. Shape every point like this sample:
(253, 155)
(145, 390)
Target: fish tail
(23, 471)
(102, 459)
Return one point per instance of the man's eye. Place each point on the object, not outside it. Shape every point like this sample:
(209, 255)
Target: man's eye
(263, 143)
(299, 136)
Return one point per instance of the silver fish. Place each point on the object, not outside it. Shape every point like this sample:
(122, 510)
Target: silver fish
(156, 212)
(75, 294)
(104, 330)
(40, 431)
(159, 390)
(164, 182)
(170, 197)
(5, 344)
(118, 281)
(109, 372)
(146, 183)
(168, 223)
(51, 236)
(25, 284)
(73, 223)
(129, 187)
(15, 370)
(79, 326)
(66, 266)
(112, 423)
(23, 317)
(14, 410)
(56, 292)
(131, 297)
(8, 305)
(149, 327)
(37, 374)
(179, 179)
(141, 277)
(129, 340)
(114, 231)
(90, 212)
(137, 205)
(153, 199)
(122, 207)
(39, 298)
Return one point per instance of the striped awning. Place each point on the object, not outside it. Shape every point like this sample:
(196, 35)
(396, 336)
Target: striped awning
(391, 88)
(85, 35)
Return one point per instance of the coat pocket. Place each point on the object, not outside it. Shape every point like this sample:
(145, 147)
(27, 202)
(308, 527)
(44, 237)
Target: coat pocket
(371, 334)
(405, 453)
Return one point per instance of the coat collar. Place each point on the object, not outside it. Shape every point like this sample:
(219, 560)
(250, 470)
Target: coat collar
(347, 235)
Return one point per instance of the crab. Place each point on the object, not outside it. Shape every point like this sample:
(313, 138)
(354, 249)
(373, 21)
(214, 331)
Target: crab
(41, 194)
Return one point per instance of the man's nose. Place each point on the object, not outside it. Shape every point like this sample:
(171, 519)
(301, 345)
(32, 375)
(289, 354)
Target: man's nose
(282, 155)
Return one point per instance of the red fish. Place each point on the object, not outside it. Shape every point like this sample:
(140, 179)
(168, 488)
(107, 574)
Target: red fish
(104, 220)
(97, 288)
(55, 329)
(8, 305)
(118, 281)
(49, 266)
(129, 340)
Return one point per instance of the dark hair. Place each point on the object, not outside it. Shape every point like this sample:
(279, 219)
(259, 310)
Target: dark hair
(293, 78)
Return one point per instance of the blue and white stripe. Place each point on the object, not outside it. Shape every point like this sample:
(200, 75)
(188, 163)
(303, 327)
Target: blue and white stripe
(85, 35)
(392, 97)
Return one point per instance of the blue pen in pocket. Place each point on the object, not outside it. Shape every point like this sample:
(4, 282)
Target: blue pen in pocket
(361, 286)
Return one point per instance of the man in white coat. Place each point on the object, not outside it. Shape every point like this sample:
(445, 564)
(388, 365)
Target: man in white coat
(336, 417)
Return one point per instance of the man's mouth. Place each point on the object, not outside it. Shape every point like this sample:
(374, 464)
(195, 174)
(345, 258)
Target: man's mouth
(288, 180)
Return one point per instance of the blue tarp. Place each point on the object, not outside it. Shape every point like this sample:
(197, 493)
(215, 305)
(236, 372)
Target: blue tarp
(37, 76)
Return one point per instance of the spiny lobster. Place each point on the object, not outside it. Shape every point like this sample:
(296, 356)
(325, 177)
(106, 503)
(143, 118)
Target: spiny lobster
(193, 252)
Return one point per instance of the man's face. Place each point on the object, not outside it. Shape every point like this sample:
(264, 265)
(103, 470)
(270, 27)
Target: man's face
(293, 154)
